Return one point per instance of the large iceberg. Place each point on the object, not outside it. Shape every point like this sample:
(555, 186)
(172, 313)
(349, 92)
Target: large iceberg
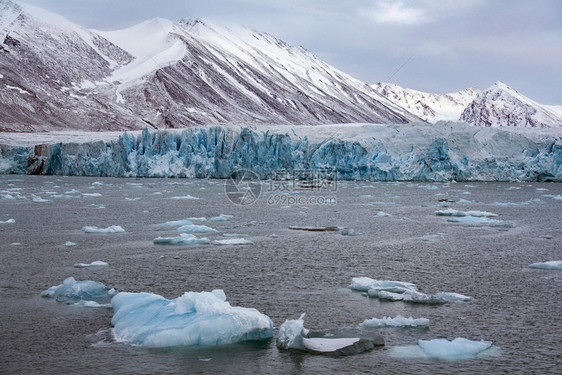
(194, 319)
(85, 292)
(442, 152)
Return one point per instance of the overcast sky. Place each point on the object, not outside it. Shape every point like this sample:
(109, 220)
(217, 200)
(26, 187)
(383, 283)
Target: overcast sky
(429, 45)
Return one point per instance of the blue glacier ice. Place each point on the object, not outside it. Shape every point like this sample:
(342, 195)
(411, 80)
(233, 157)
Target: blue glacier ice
(194, 319)
(549, 265)
(79, 292)
(194, 228)
(445, 151)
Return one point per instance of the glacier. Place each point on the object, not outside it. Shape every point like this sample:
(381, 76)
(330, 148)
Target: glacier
(193, 319)
(446, 151)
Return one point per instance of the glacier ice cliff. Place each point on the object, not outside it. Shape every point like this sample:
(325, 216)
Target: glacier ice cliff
(443, 152)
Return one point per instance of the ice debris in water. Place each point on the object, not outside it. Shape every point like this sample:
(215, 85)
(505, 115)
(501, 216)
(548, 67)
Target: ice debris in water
(110, 229)
(458, 349)
(9, 221)
(38, 199)
(194, 319)
(402, 291)
(233, 241)
(96, 205)
(350, 232)
(383, 214)
(183, 197)
(453, 212)
(72, 291)
(69, 243)
(183, 239)
(193, 228)
(95, 264)
(222, 217)
(478, 221)
(176, 223)
(398, 321)
(550, 265)
(293, 335)
(91, 194)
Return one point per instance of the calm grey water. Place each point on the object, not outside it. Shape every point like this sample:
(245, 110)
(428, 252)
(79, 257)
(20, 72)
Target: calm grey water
(516, 307)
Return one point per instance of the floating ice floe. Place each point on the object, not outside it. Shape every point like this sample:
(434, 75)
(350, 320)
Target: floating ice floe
(110, 229)
(69, 244)
(350, 232)
(475, 220)
(234, 235)
(133, 199)
(38, 199)
(457, 213)
(194, 319)
(458, 349)
(233, 241)
(379, 203)
(62, 196)
(194, 228)
(550, 265)
(9, 221)
(91, 194)
(183, 239)
(555, 197)
(382, 214)
(183, 197)
(433, 237)
(293, 335)
(403, 291)
(221, 217)
(78, 292)
(95, 264)
(96, 205)
(398, 321)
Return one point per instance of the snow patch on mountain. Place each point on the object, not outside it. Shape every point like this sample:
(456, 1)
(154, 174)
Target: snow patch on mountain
(429, 107)
(501, 105)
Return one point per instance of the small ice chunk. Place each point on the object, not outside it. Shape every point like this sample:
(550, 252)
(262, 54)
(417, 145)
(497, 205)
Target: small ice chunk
(234, 235)
(95, 264)
(459, 348)
(183, 197)
(69, 243)
(194, 319)
(176, 223)
(550, 265)
(183, 239)
(328, 345)
(454, 297)
(398, 321)
(96, 205)
(233, 241)
(433, 237)
(133, 199)
(38, 199)
(457, 213)
(9, 221)
(222, 217)
(72, 291)
(363, 284)
(350, 232)
(91, 194)
(193, 228)
(477, 221)
(110, 229)
(382, 214)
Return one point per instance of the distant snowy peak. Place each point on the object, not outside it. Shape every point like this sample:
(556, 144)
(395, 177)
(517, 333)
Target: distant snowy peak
(430, 107)
(501, 105)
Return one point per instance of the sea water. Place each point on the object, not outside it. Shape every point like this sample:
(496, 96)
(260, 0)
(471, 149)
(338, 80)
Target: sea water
(281, 272)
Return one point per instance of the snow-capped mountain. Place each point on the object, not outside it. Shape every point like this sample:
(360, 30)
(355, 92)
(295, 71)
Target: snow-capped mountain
(500, 105)
(430, 107)
(55, 74)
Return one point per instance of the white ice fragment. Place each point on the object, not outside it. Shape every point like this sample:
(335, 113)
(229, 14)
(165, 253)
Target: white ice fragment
(194, 319)
(233, 241)
(550, 265)
(221, 217)
(38, 199)
(183, 239)
(350, 232)
(454, 297)
(110, 229)
(133, 199)
(9, 221)
(95, 264)
(398, 321)
(363, 284)
(477, 221)
(457, 213)
(291, 334)
(382, 214)
(234, 235)
(193, 228)
(91, 194)
(459, 348)
(69, 244)
(183, 197)
(328, 345)
(96, 205)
